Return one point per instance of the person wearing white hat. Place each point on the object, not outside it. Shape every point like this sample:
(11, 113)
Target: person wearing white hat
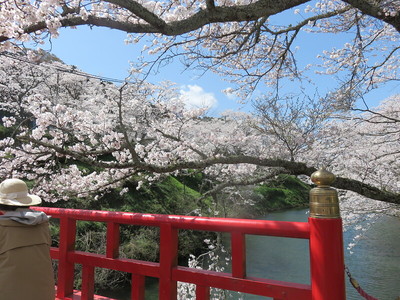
(26, 271)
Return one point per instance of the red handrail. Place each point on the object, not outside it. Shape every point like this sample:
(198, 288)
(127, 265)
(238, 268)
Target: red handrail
(167, 270)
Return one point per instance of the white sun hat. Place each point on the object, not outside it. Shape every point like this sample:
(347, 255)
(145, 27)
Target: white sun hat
(14, 192)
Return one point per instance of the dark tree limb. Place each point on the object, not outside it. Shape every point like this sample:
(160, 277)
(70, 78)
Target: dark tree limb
(373, 9)
(287, 167)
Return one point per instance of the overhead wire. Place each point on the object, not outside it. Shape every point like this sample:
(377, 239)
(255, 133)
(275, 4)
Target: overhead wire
(71, 70)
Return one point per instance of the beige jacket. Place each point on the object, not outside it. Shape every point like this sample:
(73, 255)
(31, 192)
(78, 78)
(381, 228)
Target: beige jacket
(26, 271)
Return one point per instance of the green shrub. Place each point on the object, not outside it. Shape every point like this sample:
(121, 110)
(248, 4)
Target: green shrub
(284, 192)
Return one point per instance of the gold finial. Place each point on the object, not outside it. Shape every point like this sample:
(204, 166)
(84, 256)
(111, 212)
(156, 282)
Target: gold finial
(324, 202)
(323, 177)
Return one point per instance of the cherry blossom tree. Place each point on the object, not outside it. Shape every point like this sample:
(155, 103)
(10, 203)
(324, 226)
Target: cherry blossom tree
(367, 142)
(145, 128)
(75, 135)
(292, 121)
(251, 42)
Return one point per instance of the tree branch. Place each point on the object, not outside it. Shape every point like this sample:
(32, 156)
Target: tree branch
(366, 190)
(288, 167)
(141, 12)
(154, 24)
(373, 9)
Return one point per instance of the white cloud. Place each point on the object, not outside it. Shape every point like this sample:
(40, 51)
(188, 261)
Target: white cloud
(230, 94)
(194, 96)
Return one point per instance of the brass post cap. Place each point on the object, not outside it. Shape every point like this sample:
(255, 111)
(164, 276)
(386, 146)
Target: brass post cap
(323, 177)
(324, 202)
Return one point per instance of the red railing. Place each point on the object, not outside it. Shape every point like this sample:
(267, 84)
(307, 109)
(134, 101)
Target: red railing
(326, 256)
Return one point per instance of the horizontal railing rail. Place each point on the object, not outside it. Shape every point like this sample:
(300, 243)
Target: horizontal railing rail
(167, 270)
(323, 230)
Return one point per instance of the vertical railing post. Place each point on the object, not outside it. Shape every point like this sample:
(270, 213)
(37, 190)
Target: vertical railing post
(65, 282)
(326, 240)
(202, 292)
(238, 249)
(168, 261)
(138, 287)
(112, 237)
(87, 287)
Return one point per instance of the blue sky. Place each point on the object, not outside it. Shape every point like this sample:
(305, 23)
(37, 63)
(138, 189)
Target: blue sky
(102, 51)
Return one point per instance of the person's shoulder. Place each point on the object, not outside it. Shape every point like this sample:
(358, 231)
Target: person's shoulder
(6, 222)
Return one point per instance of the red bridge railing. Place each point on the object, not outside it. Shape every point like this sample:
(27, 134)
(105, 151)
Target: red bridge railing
(324, 231)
